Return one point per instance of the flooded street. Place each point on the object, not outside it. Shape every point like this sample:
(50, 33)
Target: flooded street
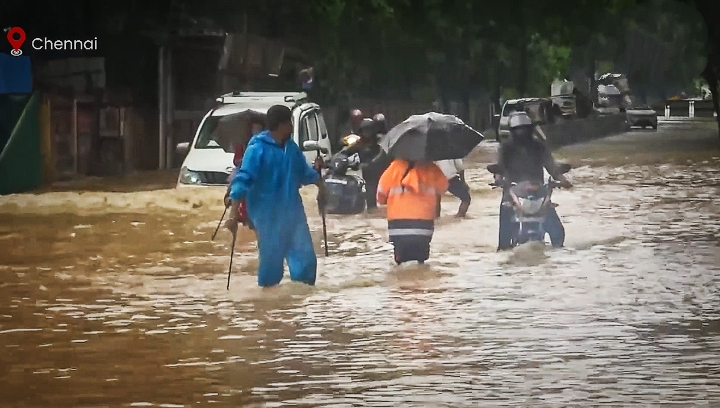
(118, 298)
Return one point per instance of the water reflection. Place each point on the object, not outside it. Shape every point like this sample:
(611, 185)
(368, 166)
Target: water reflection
(118, 298)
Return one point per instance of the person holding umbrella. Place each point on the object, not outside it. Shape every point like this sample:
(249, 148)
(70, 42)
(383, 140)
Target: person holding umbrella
(412, 182)
(409, 189)
(272, 171)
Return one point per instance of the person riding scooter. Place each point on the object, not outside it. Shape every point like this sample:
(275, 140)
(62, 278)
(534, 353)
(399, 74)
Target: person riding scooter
(373, 163)
(522, 157)
(380, 124)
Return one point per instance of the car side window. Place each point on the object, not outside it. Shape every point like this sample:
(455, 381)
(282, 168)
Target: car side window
(312, 126)
(508, 109)
(322, 126)
(303, 134)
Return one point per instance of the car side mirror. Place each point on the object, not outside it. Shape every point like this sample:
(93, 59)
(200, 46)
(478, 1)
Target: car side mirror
(182, 148)
(564, 168)
(495, 122)
(493, 168)
(310, 145)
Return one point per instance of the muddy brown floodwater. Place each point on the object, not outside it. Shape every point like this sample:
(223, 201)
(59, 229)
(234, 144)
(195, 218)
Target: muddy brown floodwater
(118, 298)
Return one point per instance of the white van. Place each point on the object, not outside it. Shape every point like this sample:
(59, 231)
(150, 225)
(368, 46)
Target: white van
(209, 159)
(534, 107)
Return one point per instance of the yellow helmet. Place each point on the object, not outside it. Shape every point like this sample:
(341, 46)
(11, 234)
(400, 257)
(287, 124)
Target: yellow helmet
(350, 139)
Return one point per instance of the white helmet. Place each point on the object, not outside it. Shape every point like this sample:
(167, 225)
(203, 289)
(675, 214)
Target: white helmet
(519, 119)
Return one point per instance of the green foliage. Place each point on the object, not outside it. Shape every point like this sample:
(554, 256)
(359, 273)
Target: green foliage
(392, 47)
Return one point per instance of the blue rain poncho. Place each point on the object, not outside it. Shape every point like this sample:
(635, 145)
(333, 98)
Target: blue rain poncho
(269, 179)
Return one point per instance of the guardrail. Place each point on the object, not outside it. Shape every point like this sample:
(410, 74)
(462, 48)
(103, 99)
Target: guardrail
(686, 109)
(580, 130)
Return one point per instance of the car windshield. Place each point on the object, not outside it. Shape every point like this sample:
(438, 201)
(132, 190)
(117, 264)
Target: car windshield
(208, 136)
(224, 132)
(536, 112)
(533, 109)
(512, 109)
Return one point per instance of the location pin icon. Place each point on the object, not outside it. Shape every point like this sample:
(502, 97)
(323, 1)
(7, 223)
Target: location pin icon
(16, 43)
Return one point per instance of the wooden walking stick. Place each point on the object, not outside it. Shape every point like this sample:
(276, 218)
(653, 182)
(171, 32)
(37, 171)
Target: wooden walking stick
(219, 224)
(232, 253)
(321, 201)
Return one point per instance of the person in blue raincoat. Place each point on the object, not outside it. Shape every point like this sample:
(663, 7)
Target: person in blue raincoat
(273, 170)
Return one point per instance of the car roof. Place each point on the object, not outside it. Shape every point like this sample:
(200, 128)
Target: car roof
(260, 107)
(525, 100)
(260, 102)
(609, 89)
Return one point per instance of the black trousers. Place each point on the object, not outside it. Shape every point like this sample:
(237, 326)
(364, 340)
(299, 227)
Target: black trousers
(411, 248)
(411, 239)
(371, 186)
(459, 189)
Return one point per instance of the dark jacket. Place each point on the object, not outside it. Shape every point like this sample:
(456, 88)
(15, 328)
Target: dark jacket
(525, 161)
(372, 158)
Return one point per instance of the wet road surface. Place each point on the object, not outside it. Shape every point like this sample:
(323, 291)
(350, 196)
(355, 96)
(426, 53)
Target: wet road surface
(118, 298)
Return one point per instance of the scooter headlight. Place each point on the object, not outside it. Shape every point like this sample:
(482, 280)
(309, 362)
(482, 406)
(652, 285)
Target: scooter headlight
(530, 206)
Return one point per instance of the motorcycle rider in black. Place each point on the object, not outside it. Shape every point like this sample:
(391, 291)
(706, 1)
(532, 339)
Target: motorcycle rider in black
(372, 160)
(522, 157)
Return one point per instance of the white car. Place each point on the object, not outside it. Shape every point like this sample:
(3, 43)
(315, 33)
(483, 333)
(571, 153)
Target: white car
(209, 159)
(534, 107)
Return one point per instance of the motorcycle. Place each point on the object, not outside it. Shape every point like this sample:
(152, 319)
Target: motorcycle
(530, 202)
(345, 193)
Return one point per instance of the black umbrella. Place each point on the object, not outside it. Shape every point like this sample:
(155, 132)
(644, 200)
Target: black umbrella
(431, 136)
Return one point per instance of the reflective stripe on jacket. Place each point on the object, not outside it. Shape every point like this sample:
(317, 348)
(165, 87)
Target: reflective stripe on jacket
(411, 194)
(408, 228)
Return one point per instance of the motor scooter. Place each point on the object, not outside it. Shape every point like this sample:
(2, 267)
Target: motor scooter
(530, 203)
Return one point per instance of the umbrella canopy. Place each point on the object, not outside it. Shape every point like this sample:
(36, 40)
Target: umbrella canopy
(431, 136)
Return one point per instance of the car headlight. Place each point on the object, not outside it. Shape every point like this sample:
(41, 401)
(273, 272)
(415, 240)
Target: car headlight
(189, 176)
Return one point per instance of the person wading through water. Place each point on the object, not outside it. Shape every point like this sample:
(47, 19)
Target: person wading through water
(455, 173)
(410, 190)
(272, 172)
(256, 126)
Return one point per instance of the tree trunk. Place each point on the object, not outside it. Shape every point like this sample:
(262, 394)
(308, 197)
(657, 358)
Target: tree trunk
(714, 85)
(711, 73)
(523, 74)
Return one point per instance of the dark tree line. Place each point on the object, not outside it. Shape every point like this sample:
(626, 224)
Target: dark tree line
(421, 49)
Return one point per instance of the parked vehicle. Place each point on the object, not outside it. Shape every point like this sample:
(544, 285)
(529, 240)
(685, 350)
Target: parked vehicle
(209, 156)
(642, 116)
(609, 96)
(530, 203)
(561, 94)
(614, 92)
(537, 108)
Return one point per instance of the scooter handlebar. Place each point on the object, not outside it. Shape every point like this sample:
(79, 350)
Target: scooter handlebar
(505, 184)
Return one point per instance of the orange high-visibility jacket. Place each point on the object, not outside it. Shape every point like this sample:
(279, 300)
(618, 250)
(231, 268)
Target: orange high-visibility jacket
(411, 196)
